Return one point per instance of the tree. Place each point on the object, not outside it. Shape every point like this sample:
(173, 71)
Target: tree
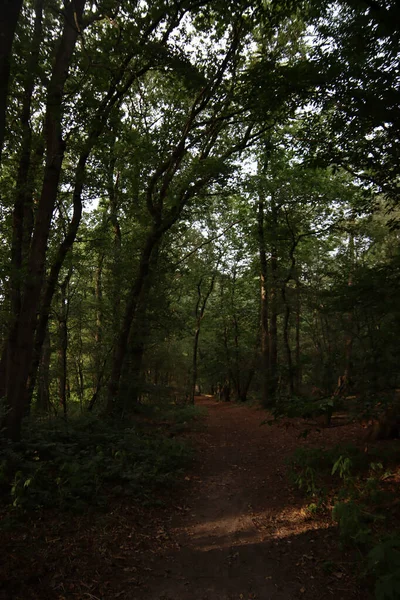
(10, 10)
(355, 122)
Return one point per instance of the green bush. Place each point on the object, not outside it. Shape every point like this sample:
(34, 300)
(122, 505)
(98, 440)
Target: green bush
(352, 520)
(71, 465)
(356, 504)
(384, 565)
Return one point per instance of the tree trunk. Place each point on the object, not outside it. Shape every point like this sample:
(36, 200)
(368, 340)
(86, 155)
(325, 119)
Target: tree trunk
(98, 123)
(194, 364)
(286, 342)
(135, 373)
(43, 393)
(63, 343)
(98, 336)
(22, 218)
(199, 313)
(273, 330)
(10, 10)
(130, 311)
(298, 360)
(22, 213)
(264, 330)
(21, 340)
(344, 381)
(286, 322)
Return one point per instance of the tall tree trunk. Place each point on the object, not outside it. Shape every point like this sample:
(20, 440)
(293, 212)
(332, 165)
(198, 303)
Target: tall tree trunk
(22, 219)
(199, 314)
(137, 345)
(237, 375)
(344, 381)
(63, 342)
(135, 373)
(286, 322)
(22, 338)
(22, 213)
(298, 350)
(98, 336)
(9, 10)
(130, 311)
(99, 122)
(43, 393)
(286, 342)
(264, 329)
(273, 330)
(116, 252)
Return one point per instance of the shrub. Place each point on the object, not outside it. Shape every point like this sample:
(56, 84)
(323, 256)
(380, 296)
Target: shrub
(384, 565)
(72, 464)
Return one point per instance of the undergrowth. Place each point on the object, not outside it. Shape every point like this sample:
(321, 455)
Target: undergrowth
(75, 463)
(352, 483)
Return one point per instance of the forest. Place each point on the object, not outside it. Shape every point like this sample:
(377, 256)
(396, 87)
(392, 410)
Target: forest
(199, 216)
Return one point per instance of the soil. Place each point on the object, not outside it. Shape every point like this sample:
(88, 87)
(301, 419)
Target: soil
(235, 530)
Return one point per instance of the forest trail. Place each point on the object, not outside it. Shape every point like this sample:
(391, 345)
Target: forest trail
(235, 529)
(242, 532)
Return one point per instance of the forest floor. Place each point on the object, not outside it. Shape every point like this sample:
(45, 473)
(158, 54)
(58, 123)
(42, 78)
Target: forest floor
(238, 531)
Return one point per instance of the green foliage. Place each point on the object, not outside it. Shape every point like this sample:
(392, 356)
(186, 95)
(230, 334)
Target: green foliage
(305, 407)
(356, 504)
(351, 518)
(384, 565)
(342, 466)
(71, 465)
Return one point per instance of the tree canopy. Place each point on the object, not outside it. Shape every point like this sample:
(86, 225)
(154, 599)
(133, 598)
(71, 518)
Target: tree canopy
(164, 162)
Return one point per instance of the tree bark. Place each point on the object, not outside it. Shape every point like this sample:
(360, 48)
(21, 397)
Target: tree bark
(43, 394)
(10, 10)
(199, 314)
(264, 329)
(273, 330)
(99, 122)
(131, 307)
(98, 336)
(63, 343)
(22, 213)
(22, 218)
(286, 322)
(286, 342)
(344, 381)
(22, 338)
(298, 349)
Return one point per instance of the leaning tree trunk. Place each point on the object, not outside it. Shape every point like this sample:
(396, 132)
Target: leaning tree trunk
(137, 337)
(121, 344)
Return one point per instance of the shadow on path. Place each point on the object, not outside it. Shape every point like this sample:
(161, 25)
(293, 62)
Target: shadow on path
(242, 532)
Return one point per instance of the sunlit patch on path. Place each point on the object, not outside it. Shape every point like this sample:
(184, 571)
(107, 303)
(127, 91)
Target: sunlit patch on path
(243, 532)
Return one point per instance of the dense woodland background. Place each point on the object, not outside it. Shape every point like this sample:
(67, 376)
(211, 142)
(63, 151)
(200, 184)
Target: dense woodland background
(159, 160)
(198, 197)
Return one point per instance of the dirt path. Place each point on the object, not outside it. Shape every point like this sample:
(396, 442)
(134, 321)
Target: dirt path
(236, 530)
(242, 532)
